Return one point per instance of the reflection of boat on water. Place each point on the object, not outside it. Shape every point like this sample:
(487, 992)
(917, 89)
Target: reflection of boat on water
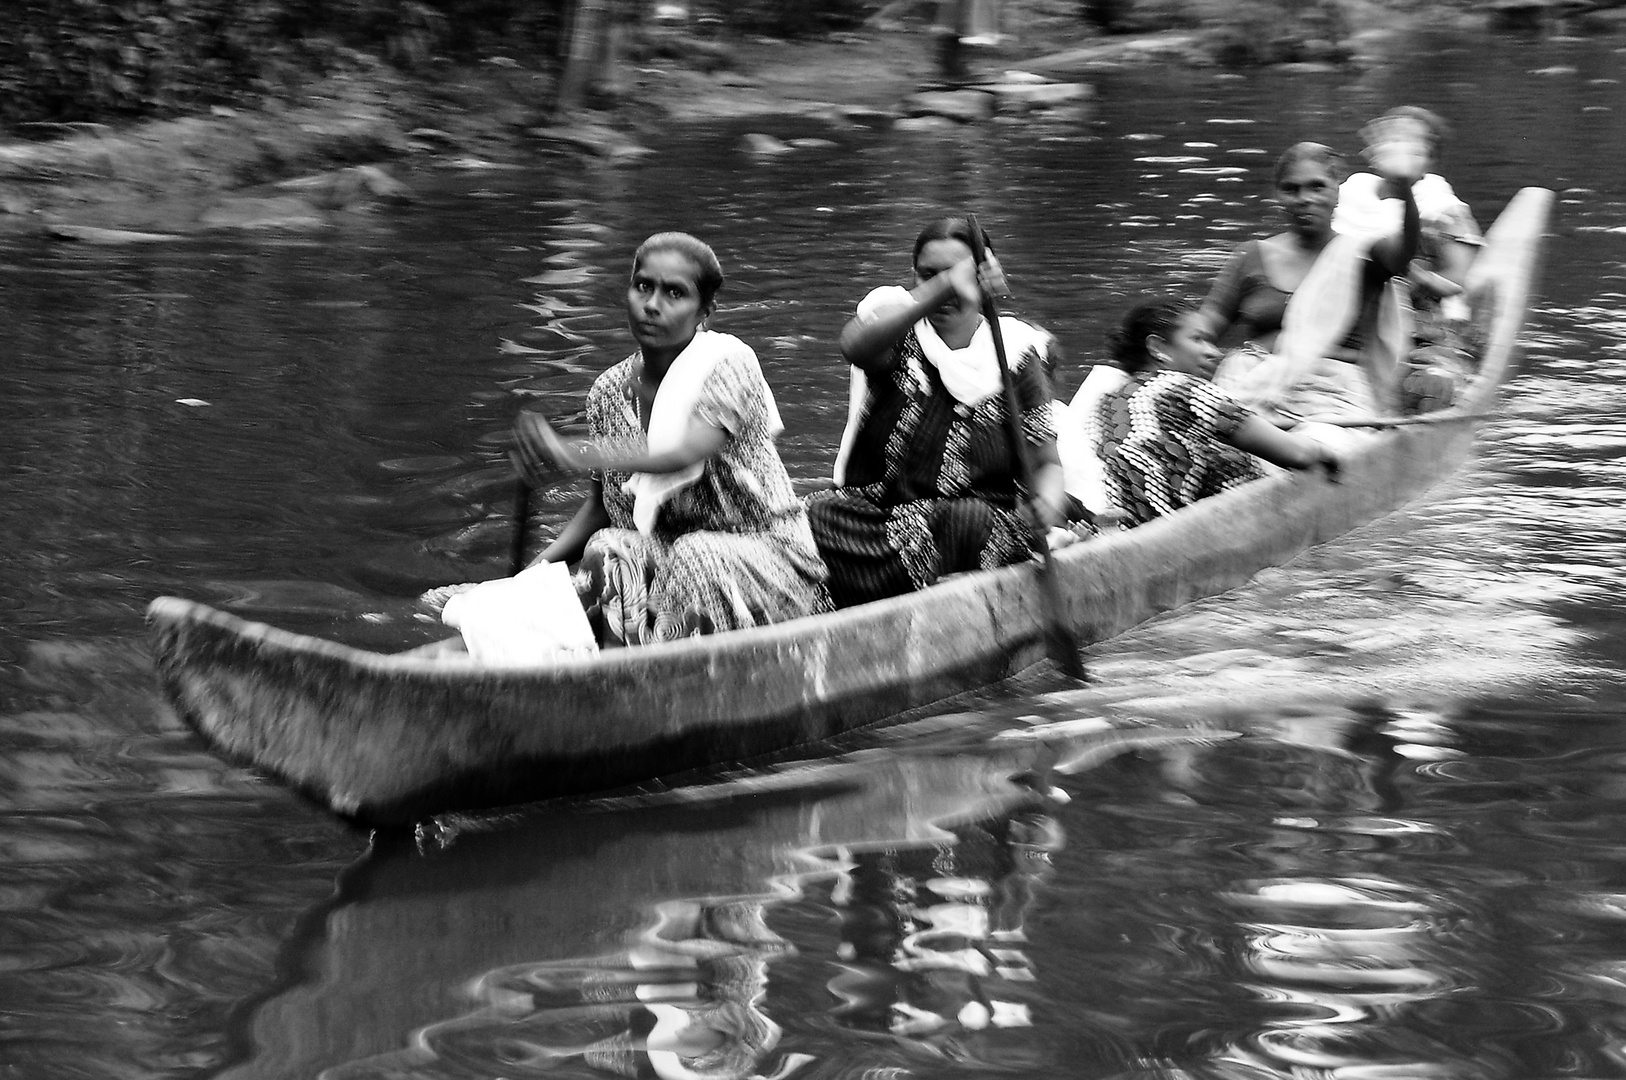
(545, 937)
(394, 736)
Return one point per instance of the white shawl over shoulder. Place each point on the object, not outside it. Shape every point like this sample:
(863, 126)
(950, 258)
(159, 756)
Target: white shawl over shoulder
(970, 374)
(671, 415)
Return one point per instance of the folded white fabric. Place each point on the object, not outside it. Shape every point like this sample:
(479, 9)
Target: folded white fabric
(531, 617)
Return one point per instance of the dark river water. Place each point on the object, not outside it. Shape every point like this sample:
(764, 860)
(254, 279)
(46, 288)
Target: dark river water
(1411, 862)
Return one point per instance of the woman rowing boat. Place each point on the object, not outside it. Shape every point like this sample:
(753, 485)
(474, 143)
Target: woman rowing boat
(927, 475)
(690, 525)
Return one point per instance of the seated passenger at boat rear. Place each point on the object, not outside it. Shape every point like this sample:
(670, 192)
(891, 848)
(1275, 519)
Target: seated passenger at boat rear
(690, 526)
(1168, 437)
(1324, 331)
(1443, 355)
(926, 476)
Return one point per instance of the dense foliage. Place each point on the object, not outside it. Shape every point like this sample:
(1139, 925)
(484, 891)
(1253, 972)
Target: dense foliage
(92, 60)
(67, 60)
(98, 60)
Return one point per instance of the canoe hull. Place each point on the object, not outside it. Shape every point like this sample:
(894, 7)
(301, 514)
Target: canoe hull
(390, 738)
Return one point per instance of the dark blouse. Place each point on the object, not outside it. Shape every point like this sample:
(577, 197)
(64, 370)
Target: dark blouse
(1249, 301)
(918, 442)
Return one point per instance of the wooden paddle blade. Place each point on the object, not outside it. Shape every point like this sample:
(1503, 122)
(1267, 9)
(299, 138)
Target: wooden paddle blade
(522, 519)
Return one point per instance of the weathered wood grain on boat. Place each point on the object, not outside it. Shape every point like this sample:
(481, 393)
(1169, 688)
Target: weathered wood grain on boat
(390, 737)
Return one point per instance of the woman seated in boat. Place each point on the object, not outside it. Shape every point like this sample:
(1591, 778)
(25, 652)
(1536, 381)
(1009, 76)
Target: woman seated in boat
(927, 481)
(1324, 332)
(1168, 437)
(1443, 353)
(690, 525)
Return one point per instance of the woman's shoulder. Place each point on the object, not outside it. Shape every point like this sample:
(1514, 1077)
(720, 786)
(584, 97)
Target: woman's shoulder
(1179, 386)
(881, 299)
(1022, 337)
(735, 359)
(613, 379)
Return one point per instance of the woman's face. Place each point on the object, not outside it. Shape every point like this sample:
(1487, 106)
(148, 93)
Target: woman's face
(957, 319)
(1188, 348)
(1308, 193)
(663, 302)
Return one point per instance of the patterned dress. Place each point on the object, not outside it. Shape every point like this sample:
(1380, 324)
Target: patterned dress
(731, 550)
(930, 484)
(1159, 440)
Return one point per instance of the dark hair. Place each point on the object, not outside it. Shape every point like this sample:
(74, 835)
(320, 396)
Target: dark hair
(1155, 316)
(1313, 153)
(710, 272)
(953, 227)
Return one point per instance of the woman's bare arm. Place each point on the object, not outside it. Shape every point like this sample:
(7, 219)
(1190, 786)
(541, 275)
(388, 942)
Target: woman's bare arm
(1258, 436)
(568, 546)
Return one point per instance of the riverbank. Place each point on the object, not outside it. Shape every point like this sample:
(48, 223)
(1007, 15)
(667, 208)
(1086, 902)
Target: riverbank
(295, 161)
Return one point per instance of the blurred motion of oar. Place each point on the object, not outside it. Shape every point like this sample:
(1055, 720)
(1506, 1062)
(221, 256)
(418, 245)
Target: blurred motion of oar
(522, 517)
(1445, 416)
(1059, 640)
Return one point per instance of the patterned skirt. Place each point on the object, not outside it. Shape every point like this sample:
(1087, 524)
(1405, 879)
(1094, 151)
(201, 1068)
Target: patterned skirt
(874, 551)
(639, 589)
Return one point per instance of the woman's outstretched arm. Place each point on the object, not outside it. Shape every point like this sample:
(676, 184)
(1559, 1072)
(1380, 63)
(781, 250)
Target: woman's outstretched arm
(543, 450)
(1259, 437)
(1395, 253)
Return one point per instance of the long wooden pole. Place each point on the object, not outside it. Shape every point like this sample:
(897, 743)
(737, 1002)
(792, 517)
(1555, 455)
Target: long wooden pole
(522, 518)
(1063, 647)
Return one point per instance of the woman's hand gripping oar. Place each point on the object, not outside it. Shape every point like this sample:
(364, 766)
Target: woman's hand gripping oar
(1059, 639)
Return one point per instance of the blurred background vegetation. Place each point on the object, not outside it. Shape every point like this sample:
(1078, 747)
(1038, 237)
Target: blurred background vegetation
(64, 61)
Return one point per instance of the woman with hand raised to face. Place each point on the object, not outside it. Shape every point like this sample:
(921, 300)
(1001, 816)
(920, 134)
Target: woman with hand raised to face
(927, 477)
(690, 525)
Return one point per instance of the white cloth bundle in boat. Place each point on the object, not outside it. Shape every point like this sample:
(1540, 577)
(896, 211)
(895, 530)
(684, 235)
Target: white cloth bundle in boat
(530, 617)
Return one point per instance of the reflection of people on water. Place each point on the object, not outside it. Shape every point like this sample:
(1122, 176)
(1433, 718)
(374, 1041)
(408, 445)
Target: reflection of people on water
(932, 943)
(1338, 952)
(683, 1003)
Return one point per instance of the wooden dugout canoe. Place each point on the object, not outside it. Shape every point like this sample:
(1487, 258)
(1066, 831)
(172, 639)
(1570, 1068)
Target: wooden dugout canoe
(387, 738)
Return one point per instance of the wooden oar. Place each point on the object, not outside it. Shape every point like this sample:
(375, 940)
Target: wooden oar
(522, 517)
(1059, 639)
(1441, 417)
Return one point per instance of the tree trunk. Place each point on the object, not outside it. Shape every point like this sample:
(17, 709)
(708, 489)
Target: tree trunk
(588, 53)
